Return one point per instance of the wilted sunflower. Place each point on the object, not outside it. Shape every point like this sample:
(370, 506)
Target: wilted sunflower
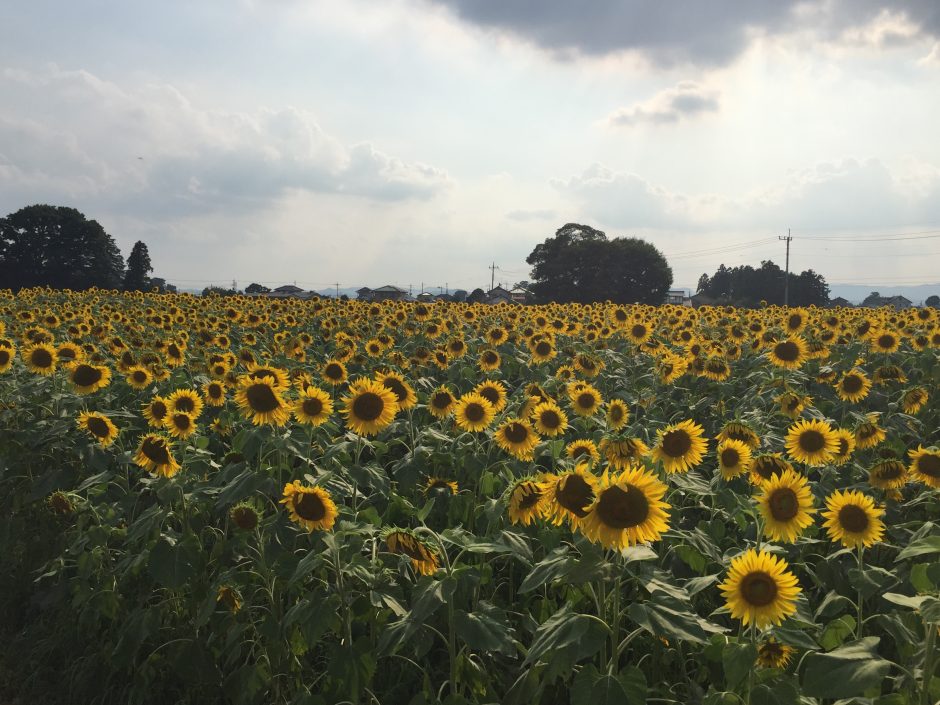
(186, 401)
(313, 406)
(790, 354)
(854, 386)
(405, 543)
(229, 597)
(549, 419)
(528, 499)
(571, 494)
(312, 508)
(245, 516)
(440, 484)
(853, 519)
(734, 458)
(473, 412)
(811, 442)
(618, 414)
(888, 474)
(627, 509)
(786, 503)
(404, 393)
(766, 466)
(40, 358)
(139, 377)
(886, 374)
(180, 424)
(583, 451)
(154, 455)
(773, 654)
(622, 453)
(738, 431)
(760, 589)
(586, 400)
(369, 407)
(912, 401)
(516, 437)
(868, 434)
(680, 446)
(99, 426)
(846, 446)
(214, 392)
(261, 402)
(441, 402)
(925, 465)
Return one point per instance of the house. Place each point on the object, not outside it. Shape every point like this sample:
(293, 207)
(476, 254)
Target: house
(498, 295)
(389, 292)
(678, 297)
(899, 302)
(364, 294)
(519, 295)
(840, 302)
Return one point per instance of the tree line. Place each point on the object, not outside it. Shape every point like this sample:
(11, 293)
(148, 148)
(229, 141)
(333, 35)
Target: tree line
(59, 247)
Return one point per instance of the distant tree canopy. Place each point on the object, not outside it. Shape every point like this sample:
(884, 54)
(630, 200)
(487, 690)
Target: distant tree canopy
(54, 246)
(933, 301)
(138, 267)
(255, 288)
(579, 264)
(746, 286)
(219, 291)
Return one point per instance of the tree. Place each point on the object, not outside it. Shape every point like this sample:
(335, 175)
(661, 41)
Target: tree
(746, 286)
(579, 264)
(54, 246)
(219, 291)
(138, 267)
(477, 296)
(254, 288)
(933, 301)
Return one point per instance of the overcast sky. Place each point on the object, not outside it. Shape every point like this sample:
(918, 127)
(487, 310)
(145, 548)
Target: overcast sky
(367, 142)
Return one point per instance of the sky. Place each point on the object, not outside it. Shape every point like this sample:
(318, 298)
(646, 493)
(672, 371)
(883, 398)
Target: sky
(366, 142)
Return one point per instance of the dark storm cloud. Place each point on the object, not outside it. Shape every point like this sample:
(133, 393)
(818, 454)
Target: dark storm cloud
(677, 31)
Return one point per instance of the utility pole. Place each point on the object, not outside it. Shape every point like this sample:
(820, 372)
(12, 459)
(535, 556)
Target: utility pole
(492, 269)
(786, 276)
(337, 290)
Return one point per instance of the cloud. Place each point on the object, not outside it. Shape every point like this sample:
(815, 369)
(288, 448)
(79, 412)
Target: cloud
(151, 151)
(527, 215)
(685, 32)
(687, 99)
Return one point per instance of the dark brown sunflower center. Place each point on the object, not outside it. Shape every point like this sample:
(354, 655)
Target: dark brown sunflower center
(182, 422)
(638, 331)
(441, 400)
(788, 351)
(516, 433)
(333, 371)
(245, 518)
(812, 441)
(853, 518)
(586, 400)
(491, 394)
(66, 354)
(843, 446)
(578, 451)
(730, 457)
(490, 358)
(543, 348)
(368, 406)
(98, 427)
(155, 450)
(215, 391)
(139, 376)
(312, 407)
(621, 508)
(886, 341)
(867, 431)
(929, 465)
(616, 413)
(676, 443)
(758, 589)
(261, 398)
(794, 322)
(530, 497)
(852, 384)
(309, 506)
(86, 375)
(185, 404)
(4, 356)
(173, 351)
(574, 494)
(550, 419)
(767, 466)
(784, 504)
(474, 412)
(397, 387)
(41, 358)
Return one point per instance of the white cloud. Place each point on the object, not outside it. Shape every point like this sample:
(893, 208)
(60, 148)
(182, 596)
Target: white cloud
(687, 99)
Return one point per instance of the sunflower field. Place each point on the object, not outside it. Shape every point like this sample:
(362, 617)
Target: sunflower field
(254, 500)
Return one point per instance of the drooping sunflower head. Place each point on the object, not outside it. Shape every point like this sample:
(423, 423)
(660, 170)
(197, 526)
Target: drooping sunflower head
(517, 437)
(571, 494)
(628, 509)
(772, 654)
(786, 503)
(311, 508)
(738, 431)
(792, 404)
(811, 442)
(925, 465)
(437, 485)
(767, 465)
(404, 542)
(680, 446)
(888, 474)
(528, 499)
(622, 453)
(473, 412)
(734, 458)
(852, 518)
(245, 516)
(760, 589)
(869, 434)
(99, 427)
(914, 399)
(886, 374)
(260, 401)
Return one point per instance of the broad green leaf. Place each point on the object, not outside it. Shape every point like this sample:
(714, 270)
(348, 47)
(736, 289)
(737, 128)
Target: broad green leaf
(920, 547)
(674, 622)
(486, 629)
(837, 631)
(738, 660)
(908, 601)
(845, 672)
(173, 565)
(553, 567)
(564, 628)
(628, 687)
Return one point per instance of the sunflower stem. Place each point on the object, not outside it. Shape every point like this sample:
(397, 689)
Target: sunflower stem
(929, 664)
(858, 627)
(614, 621)
(602, 613)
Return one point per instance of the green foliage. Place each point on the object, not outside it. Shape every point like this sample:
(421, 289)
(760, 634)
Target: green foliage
(138, 267)
(746, 286)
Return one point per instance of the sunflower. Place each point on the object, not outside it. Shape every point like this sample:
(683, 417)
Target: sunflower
(6, 359)
(811, 442)
(884, 341)
(440, 484)
(334, 372)
(98, 427)
(760, 589)
(886, 374)
(734, 458)
(789, 354)
(716, 368)
(311, 508)
(585, 400)
(87, 379)
(912, 401)
(313, 406)
(441, 402)
(680, 446)
(528, 500)
(245, 516)
(40, 358)
(473, 412)
(229, 597)
(494, 392)
(766, 466)
(786, 504)
(369, 407)
(570, 494)
(403, 542)
(853, 519)
(618, 414)
(139, 377)
(583, 451)
(278, 377)
(489, 360)
(627, 509)
(925, 465)
(542, 351)
(622, 453)
(737, 431)
(154, 455)
(404, 393)
(186, 401)
(846, 441)
(854, 386)
(549, 419)
(516, 437)
(180, 424)
(671, 367)
(792, 404)
(888, 474)
(214, 392)
(868, 434)
(260, 401)
(772, 654)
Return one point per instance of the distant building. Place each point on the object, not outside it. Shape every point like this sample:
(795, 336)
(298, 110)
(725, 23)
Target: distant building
(519, 295)
(840, 302)
(287, 290)
(364, 294)
(498, 295)
(876, 300)
(678, 297)
(389, 292)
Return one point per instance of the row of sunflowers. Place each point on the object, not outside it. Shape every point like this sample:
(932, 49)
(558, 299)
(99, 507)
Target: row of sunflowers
(258, 500)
